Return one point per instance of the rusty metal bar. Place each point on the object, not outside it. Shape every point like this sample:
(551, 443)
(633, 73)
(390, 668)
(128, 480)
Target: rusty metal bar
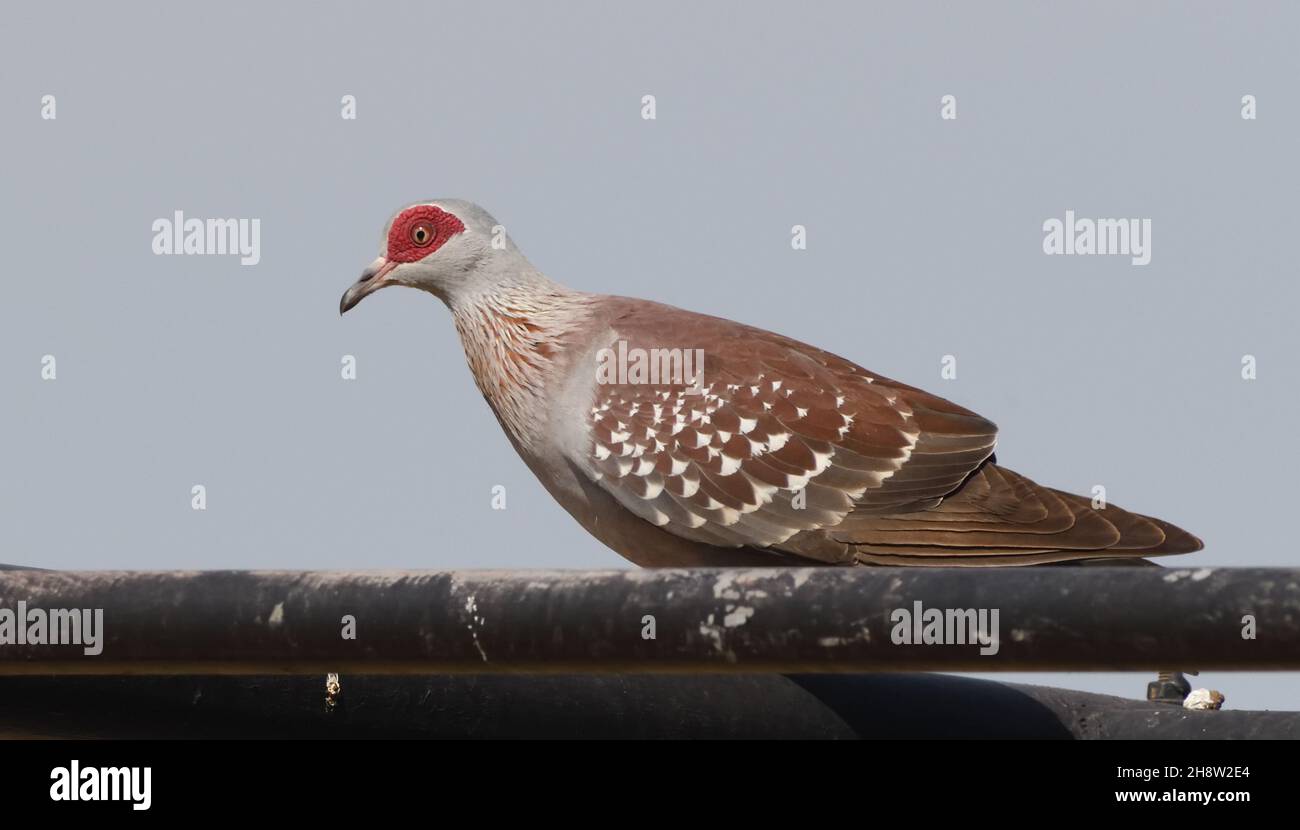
(760, 620)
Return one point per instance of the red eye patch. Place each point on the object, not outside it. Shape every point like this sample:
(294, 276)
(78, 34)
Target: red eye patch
(419, 231)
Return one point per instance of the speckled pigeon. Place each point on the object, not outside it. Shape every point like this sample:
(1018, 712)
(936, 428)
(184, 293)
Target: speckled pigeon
(770, 452)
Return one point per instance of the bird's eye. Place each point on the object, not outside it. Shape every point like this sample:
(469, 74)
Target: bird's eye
(422, 234)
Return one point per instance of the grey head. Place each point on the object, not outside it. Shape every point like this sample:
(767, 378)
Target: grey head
(448, 247)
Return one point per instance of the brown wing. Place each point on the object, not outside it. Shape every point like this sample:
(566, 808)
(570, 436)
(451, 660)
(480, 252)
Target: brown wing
(791, 448)
(783, 437)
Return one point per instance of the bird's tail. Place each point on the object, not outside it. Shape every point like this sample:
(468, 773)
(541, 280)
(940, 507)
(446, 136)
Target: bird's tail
(998, 517)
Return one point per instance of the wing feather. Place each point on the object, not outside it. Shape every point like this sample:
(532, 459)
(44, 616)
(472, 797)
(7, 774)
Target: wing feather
(786, 447)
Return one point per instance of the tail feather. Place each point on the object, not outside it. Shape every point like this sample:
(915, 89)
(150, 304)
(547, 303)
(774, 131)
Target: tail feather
(998, 517)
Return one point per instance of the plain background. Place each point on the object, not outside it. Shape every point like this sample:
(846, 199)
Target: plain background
(924, 239)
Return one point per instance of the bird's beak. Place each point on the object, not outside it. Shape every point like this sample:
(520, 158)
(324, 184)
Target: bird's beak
(372, 279)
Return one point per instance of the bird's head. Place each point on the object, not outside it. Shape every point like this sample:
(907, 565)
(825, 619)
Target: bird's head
(445, 247)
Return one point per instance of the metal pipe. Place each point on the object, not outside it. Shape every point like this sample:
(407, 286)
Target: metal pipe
(598, 706)
(758, 620)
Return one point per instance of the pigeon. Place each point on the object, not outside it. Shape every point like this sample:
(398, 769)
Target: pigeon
(682, 439)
